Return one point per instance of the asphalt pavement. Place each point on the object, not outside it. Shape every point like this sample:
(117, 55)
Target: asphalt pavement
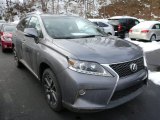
(22, 98)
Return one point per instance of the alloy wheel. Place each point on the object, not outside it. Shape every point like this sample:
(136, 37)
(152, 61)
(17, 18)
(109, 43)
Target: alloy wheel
(153, 38)
(50, 89)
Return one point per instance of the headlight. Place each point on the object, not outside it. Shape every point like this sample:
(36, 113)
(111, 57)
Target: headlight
(7, 39)
(91, 68)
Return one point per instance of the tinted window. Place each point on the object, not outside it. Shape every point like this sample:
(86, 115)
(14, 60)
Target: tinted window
(122, 21)
(95, 23)
(100, 24)
(133, 22)
(34, 23)
(157, 26)
(23, 24)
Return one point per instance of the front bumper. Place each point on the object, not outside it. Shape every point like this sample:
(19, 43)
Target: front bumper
(100, 92)
(7, 44)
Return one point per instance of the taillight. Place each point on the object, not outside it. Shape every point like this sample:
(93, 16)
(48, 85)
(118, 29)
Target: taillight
(119, 27)
(130, 31)
(144, 31)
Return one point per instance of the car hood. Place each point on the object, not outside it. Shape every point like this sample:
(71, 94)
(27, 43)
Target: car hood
(103, 50)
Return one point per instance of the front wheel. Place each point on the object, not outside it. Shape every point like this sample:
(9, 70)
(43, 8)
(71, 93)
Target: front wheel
(52, 90)
(3, 50)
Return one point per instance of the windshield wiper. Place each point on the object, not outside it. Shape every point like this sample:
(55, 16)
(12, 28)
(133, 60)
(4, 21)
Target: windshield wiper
(74, 37)
(70, 37)
(88, 36)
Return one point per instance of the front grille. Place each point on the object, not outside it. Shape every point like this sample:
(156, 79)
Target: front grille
(123, 69)
(122, 93)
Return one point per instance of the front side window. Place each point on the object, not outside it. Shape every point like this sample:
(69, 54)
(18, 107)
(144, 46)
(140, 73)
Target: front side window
(34, 23)
(23, 24)
(70, 27)
(157, 26)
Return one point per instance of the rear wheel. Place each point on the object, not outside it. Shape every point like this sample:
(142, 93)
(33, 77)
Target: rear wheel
(52, 90)
(3, 50)
(109, 34)
(153, 38)
(18, 63)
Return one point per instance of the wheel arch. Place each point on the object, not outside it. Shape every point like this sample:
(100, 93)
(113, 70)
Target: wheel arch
(153, 35)
(109, 33)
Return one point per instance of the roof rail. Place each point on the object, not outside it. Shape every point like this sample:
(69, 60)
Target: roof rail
(35, 12)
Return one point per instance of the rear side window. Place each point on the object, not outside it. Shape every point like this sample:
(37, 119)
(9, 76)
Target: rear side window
(95, 23)
(100, 24)
(133, 22)
(23, 24)
(157, 26)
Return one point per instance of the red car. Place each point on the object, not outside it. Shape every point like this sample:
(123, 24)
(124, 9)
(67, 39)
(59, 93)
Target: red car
(6, 36)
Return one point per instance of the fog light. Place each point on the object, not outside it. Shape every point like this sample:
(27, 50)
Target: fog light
(82, 92)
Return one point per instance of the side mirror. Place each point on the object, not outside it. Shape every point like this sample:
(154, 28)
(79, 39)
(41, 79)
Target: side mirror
(31, 32)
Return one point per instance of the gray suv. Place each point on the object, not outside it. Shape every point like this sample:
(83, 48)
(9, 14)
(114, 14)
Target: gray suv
(79, 67)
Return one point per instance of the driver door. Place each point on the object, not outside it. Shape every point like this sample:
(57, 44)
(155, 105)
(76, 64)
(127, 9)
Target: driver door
(30, 47)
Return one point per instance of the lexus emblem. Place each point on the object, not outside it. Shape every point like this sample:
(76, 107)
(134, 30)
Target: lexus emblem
(133, 67)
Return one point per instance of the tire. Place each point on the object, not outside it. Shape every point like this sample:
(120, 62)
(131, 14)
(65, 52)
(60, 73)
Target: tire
(3, 50)
(109, 34)
(122, 36)
(153, 38)
(18, 63)
(52, 90)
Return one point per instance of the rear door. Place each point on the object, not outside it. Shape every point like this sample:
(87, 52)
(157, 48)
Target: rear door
(18, 37)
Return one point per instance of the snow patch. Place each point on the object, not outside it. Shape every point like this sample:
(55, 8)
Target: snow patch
(153, 15)
(147, 6)
(154, 77)
(146, 46)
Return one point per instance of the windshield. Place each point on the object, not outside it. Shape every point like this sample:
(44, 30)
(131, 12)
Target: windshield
(10, 28)
(70, 27)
